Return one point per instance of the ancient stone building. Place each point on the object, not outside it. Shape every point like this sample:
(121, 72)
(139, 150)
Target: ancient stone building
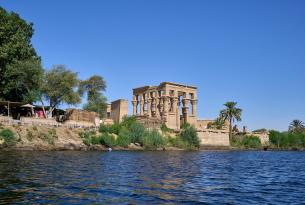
(116, 110)
(171, 103)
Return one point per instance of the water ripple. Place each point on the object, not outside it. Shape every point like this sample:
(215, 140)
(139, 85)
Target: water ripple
(209, 177)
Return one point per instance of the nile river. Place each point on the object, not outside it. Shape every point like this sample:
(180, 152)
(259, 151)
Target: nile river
(206, 177)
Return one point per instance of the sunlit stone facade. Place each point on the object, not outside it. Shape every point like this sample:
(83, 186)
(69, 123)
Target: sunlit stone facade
(171, 103)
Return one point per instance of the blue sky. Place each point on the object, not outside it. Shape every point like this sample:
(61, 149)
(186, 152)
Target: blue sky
(249, 51)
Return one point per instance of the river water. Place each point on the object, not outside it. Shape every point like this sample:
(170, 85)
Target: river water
(205, 177)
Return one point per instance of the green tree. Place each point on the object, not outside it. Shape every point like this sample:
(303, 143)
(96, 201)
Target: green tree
(96, 101)
(98, 104)
(60, 86)
(23, 79)
(296, 126)
(16, 54)
(231, 113)
(93, 86)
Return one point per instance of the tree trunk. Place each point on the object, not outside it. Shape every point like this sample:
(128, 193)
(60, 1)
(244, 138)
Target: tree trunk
(230, 130)
(43, 109)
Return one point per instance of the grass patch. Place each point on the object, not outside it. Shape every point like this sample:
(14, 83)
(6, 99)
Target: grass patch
(124, 138)
(29, 135)
(48, 137)
(153, 140)
(189, 136)
(246, 141)
(107, 140)
(8, 136)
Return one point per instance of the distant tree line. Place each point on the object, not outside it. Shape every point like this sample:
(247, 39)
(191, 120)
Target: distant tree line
(23, 79)
(294, 138)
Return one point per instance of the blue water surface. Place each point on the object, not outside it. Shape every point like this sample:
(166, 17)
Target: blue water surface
(173, 177)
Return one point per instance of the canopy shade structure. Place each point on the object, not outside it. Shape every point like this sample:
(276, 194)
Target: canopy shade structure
(28, 105)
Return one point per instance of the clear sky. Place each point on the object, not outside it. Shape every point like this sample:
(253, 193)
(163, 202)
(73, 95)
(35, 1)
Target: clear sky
(249, 51)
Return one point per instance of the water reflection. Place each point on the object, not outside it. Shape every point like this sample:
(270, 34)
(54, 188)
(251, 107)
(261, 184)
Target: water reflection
(152, 177)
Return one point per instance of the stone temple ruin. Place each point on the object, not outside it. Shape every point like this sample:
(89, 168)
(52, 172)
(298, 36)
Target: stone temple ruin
(169, 103)
(174, 104)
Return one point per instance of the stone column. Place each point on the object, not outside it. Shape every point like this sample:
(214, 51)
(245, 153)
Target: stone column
(194, 107)
(175, 101)
(141, 105)
(157, 104)
(134, 104)
(185, 103)
(149, 105)
(165, 105)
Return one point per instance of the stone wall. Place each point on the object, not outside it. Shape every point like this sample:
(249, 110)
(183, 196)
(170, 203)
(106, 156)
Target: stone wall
(214, 138)
(119, 109)
(148, 122)
(83, 116)
(202, 124)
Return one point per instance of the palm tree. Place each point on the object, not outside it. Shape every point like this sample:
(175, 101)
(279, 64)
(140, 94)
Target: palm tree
(296, 126)
(231, 113)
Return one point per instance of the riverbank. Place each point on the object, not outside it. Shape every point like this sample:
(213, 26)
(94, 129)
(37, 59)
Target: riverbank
(42, 138)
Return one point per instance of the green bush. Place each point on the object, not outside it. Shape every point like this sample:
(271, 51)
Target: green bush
(95, 140)
(177, 142)
(90, 137)
(153, 139)
(115, 128)
(165, 129)
(189, 135)
(124, 138)
(251, 142)
(108, 140)
(137, 132)
(184, 125)
(104, 128)
(287, 139)
(128, 121)
(8, 136)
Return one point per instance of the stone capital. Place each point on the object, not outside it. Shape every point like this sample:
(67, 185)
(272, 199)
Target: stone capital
(194, 102)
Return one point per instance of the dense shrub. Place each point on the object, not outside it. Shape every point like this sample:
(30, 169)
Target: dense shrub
(88, 136)
(124, 138)
(94, 139)
(104, 128)
(115, 128)
(165, 129)
(287, 139)
(107, 139)
(189, 135)
(137, 133)
(177, 142)
(153, 139)
(8, 136)
(251, 142)
(128, 121)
